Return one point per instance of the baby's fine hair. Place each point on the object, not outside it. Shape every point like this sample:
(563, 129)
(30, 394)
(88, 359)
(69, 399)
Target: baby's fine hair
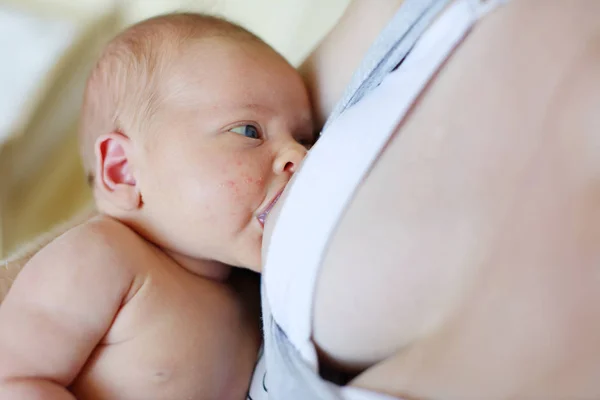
(122, 92)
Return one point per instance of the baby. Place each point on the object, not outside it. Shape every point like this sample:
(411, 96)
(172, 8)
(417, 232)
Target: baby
(191, 128)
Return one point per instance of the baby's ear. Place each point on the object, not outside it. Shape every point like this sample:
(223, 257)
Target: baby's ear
(114, 175)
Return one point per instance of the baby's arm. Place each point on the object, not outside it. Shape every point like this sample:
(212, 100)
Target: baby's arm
(60, 307)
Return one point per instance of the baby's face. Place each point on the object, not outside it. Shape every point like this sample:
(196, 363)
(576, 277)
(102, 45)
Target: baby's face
(234, 126)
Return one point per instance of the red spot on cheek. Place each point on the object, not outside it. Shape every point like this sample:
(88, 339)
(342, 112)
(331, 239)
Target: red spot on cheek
(233, 186)
(257, 181)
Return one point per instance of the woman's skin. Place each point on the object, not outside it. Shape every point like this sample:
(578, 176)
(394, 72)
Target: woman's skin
(328, 69)
(479, 275)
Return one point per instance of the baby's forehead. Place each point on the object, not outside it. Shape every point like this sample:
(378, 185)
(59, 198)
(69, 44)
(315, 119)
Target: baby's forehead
(215, 55)
(181, 46)
(218, 67)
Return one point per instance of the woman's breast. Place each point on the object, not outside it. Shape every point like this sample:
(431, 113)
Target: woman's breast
(469, 251)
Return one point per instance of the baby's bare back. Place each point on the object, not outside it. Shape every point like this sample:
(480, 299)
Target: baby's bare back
(121, 320)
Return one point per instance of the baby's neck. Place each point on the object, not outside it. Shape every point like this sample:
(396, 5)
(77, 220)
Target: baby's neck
(209, 269)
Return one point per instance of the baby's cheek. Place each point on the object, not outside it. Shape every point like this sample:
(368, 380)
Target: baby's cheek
(245, 189)
(243, 195)
(254, 182)
(243, 186)
(232, 187)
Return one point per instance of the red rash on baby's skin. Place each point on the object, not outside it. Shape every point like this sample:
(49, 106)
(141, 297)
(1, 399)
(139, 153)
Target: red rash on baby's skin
(238, 190)
(257, 181)
(233, 187)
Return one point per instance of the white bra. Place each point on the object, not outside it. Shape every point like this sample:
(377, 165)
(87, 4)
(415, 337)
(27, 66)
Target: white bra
(336, 166)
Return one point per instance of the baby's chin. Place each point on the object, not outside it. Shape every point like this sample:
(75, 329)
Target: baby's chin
(251, 261)
(249, 256)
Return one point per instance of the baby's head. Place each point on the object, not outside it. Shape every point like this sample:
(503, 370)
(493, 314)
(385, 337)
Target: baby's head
(191, 127)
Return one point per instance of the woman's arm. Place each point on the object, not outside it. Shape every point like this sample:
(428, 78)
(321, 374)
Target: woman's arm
(329, 68)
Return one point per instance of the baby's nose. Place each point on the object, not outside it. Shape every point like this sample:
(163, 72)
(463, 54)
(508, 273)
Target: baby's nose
(289, 158)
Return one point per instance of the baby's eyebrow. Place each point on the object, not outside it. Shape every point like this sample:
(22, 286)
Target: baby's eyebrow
(245, 106)
(256, 107)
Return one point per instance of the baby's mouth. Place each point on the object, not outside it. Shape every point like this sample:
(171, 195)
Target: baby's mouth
(263, 215)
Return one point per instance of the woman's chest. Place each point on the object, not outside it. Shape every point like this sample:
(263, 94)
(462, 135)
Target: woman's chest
(484, 196)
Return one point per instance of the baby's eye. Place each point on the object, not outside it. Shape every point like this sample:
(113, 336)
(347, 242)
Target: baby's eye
(249, 131)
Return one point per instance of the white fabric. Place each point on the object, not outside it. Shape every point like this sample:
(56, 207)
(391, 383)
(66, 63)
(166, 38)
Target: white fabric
(334, 169)
(258, 388)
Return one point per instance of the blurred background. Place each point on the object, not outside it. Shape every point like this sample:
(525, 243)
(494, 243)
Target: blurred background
(47, 48)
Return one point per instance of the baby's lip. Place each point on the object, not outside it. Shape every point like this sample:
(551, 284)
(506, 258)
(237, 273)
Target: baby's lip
(263, 215)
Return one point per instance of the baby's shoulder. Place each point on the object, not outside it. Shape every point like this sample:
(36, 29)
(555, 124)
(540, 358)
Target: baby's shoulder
(97, 256)
(100, 236)
(99, 243)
